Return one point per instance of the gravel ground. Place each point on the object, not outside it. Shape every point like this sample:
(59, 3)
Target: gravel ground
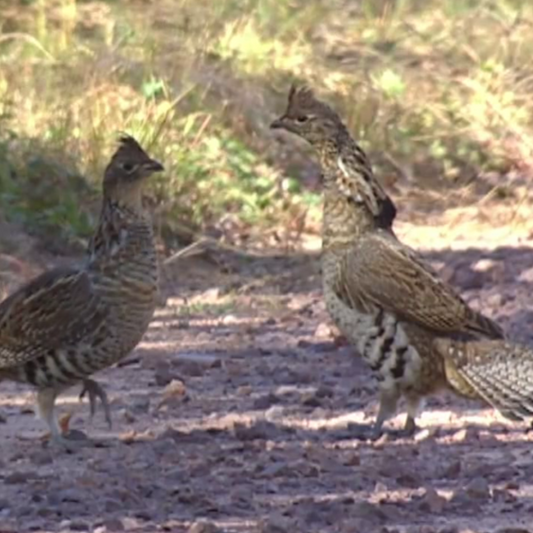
(236, 414)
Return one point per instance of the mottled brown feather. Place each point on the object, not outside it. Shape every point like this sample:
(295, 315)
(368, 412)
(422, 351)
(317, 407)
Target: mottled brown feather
(68, 323)
(47, 311)
(385, 272)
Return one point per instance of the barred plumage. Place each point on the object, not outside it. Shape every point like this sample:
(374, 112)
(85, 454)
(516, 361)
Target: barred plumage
(68, 323)
(414, 330)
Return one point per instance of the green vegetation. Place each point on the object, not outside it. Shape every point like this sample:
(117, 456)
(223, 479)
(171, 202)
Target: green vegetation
(440, 87)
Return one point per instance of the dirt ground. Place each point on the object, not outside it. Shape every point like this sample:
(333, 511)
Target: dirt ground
(235, 415)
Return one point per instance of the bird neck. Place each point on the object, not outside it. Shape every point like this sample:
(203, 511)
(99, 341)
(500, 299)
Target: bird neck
(127, 196)
(354, 202)
(330, 147)
(117, 220)
(343, 221)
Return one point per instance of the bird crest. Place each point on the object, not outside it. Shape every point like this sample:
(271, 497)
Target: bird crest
(303, 102)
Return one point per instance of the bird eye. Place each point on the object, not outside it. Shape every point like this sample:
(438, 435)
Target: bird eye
(128, 167)
(302, 118)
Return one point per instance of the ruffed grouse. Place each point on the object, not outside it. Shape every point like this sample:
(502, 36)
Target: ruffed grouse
(414, 330)
(68, 323)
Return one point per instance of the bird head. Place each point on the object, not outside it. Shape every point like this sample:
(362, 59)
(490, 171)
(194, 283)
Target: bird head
(127, 171)
(320, 125)
(308, 117)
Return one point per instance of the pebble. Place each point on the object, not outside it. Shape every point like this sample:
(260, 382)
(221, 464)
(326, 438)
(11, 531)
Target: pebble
(265, 401)
(478, 488)
(260, 430)
(19, 477)
(432, 501)
(163, 373)
(275, 524)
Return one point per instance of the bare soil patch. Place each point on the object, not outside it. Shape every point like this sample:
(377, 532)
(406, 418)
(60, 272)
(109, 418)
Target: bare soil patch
(235, 415)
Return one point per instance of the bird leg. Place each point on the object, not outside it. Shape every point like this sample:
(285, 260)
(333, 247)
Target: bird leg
(388, 400)
(95, 392)
(413, 405)
(46, 410)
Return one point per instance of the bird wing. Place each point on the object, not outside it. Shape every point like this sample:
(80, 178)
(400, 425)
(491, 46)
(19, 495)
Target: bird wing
(391, 276)
(55, 310)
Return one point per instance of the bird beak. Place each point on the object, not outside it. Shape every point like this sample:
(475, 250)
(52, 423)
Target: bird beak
(278, 124)
(153, 166)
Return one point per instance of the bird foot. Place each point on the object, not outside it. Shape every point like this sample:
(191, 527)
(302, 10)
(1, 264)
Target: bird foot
(364, 432)
(95, 392)
(374, 433)
(397, 434)
(69, 441)
(72, 441)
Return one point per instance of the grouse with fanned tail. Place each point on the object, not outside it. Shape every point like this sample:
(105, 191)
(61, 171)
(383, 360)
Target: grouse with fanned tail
(413, 329)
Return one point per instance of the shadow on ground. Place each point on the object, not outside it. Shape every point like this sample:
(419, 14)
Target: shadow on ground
(239, 408)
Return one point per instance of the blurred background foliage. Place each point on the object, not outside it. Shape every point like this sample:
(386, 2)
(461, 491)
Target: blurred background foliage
(438, 91)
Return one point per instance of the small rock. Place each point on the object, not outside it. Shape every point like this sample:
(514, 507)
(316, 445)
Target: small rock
(275, 524)
(3, 417)
(112, 505)
(192, 369)
(66, 495)
(453, 470)
(45, 512)
(409, 480)
(144, 515)
(512, 485)
(19, 477)
(4, 504)
(139, 403)
(174, 391)
(127, 416)
(432, 501)
(129, 523)
(163, 373)
(369, 512)
(467, 434)
(204, 526)
(202, 359)
(317, 347)
(478, 488)
(499, 495)
(276, 412)
(265, 401)
(425, 434)
(380, 487)
(310, 399)
(324, 391)
(41, 457)
(261, 430)
(353, 460)
(229, 319)
(245, 390)
(172, 525)
(323, 331)
(78, 525)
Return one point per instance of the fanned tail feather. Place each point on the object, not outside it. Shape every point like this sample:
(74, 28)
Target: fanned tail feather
(501, 373)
